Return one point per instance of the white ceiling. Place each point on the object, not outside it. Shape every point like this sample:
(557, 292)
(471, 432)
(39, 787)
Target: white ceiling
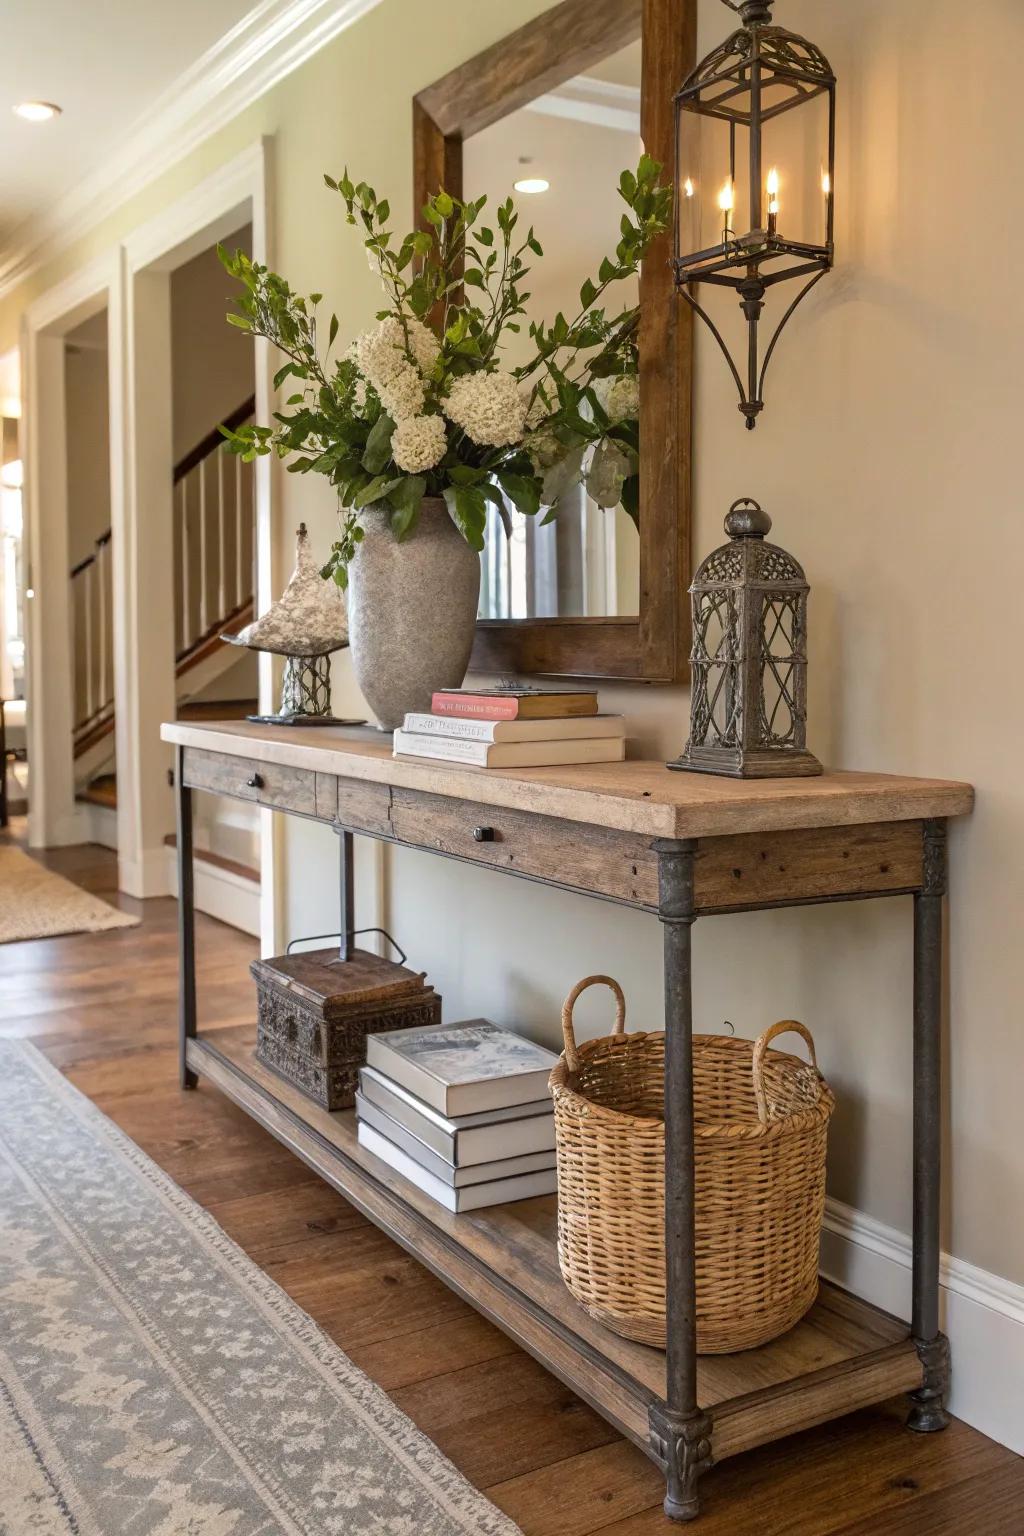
(107, 63)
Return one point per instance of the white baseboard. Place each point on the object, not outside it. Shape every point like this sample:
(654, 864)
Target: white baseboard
(101, 824)
(982, 1313)
(220, 893)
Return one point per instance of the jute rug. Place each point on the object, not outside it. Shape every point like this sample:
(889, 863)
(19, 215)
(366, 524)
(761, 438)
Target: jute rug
(37, 904)
(154, 1382)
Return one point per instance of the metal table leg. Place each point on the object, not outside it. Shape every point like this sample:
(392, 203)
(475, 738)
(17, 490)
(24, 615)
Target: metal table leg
(928, 1412)
(680, 1430)
(186, 922)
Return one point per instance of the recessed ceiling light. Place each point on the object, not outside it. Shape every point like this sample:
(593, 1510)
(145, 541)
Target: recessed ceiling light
(532, 184)
(37, 111)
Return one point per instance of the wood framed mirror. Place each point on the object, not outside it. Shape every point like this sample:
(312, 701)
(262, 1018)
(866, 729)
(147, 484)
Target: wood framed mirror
(594, 594)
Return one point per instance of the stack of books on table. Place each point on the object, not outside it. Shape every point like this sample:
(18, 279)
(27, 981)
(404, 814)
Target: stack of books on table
(513, 728)
(461, 1110)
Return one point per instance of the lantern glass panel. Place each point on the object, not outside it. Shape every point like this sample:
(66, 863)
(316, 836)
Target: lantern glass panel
(780, 628)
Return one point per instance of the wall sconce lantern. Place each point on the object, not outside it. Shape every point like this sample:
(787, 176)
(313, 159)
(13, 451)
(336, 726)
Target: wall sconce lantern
(754, 77)
(748, 704)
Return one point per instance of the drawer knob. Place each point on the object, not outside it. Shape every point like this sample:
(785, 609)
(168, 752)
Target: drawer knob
(255, 782)
(483, 834)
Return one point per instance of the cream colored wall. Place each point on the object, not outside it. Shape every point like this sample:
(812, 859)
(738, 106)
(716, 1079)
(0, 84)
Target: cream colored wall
(88, 447)
(888, 457)
(211, 362)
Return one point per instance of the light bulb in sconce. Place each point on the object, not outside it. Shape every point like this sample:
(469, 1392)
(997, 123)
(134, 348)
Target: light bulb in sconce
(726, 201)
(773, 200)
(826, 183)
(688, 187)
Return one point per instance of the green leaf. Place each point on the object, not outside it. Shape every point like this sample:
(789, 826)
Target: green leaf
(562, 476)
(378, 445)
(523, 491)
(469, 512)
(379, 489)
(405, 501)
(444, 205)
(333, 332)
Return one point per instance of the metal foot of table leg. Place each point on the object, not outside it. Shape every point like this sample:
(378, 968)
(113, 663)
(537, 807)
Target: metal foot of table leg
(684, 1446)
(928, 1404)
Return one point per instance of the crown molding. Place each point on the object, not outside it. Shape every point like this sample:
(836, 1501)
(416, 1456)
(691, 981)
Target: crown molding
(275, 38)
(585, 99)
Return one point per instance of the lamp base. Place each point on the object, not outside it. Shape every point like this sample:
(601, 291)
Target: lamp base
(763, 763)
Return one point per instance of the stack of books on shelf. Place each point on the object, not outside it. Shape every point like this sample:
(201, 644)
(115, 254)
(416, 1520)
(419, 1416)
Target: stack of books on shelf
(513, 728)
(461, 1110)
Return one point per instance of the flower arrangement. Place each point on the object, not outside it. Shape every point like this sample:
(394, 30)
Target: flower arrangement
(420, 405)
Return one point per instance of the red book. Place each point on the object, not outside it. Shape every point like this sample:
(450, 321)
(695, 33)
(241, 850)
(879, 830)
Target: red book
(513, 704)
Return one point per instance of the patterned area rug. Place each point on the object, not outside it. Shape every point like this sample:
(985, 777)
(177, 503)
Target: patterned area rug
(37, 904)
(154, 1382)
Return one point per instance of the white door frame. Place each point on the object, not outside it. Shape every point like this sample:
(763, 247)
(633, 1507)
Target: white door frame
(53, 817)
(208, 212)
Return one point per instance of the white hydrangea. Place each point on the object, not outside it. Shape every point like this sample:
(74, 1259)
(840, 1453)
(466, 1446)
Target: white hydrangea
(402, 394)
(418, 443)
(359, 396)
(383, 352)
(619, 397)
(488, 407)
(380, 352)
(424, 346)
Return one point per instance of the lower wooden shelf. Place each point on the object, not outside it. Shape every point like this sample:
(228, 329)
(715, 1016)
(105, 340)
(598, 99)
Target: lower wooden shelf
(844, 1355)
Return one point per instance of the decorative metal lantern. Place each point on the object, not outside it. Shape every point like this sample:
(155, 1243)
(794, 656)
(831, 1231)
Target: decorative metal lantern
(758, 74)
(306, 625)
(748, 707)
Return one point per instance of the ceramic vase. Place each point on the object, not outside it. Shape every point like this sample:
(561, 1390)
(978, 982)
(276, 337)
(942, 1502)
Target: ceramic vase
(412, 611)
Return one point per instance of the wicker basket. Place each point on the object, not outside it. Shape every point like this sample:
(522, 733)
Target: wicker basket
(760, 1126)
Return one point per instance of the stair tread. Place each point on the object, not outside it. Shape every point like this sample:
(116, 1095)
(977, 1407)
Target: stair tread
(102, 791)
(218, 860)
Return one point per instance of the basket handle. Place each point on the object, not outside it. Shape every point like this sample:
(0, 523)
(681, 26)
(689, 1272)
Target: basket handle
(572, 1058)
(764, 1040)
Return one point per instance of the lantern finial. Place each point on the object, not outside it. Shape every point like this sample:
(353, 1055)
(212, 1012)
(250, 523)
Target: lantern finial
(747, 519)
(755, 13)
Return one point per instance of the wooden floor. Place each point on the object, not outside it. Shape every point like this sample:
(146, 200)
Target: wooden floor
(102, 1008)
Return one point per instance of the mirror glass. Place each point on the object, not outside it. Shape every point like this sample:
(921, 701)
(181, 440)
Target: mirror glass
(577, 139)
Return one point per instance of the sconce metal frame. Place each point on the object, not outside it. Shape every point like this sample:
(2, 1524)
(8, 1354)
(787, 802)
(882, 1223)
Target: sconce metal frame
(730, 85)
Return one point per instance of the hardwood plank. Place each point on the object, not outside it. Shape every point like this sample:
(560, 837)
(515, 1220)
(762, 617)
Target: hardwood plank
(866, 1467)
(817, 864)
(637, 796)
(501, 1418)
(587, 1493)
(989, 1504)
(432, 1351)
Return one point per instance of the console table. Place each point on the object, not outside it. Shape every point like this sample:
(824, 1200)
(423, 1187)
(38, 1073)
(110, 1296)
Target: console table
(681, 846)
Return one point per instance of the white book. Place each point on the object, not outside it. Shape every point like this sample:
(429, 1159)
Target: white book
(510, 754)
(465, 1068)
(433, 1162)
(494, 1192)
(576, 728)
(464, 1140)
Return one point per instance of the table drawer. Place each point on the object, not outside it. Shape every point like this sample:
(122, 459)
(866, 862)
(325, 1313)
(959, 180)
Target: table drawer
(270, 784)
(606, 863)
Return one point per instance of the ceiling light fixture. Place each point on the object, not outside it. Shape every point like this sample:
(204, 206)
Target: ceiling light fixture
(531, 184)
(37, 111)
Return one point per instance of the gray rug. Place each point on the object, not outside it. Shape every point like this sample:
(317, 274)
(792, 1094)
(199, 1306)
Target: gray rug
(154, 1382)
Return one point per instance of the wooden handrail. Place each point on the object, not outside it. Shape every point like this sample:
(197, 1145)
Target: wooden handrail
(213, 439)
(76, 570)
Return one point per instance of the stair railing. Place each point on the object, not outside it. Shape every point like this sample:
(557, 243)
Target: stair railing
(93, 637)
(214, 543)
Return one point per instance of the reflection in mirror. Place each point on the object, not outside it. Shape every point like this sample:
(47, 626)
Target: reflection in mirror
(573, 142)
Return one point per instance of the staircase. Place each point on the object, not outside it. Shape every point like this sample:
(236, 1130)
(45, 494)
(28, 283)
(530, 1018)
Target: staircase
(214, 551)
